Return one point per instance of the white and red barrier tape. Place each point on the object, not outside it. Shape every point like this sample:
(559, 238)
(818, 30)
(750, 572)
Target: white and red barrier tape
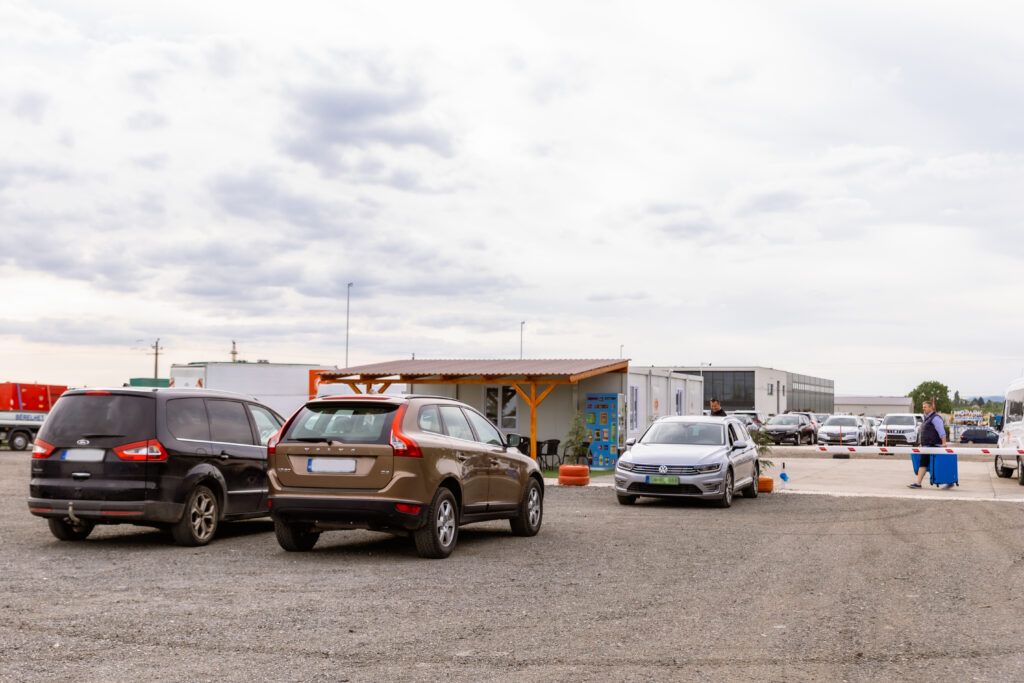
(902, 450)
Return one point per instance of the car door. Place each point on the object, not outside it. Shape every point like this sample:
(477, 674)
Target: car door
(506, 472)
(238, 457)
(742, 458)
(267, 423)
(472, 456)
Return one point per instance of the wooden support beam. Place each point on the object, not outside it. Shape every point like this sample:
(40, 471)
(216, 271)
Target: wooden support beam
(533, 401)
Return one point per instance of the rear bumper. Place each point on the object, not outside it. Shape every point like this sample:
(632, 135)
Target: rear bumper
(113, 512)
(346, 513)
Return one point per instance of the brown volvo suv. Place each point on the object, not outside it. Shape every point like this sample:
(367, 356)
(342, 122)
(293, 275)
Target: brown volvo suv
(418, 465)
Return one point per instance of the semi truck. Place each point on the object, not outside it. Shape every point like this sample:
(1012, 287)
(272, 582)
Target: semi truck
(23, 407)
(285, 387)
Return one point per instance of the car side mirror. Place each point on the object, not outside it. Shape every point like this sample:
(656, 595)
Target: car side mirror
(630, 442)
(514, 440)
(739, 445)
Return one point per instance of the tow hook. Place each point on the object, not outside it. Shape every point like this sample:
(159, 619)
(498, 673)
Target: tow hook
(71, 514)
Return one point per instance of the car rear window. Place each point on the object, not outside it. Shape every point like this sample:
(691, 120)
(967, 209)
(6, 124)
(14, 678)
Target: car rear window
(100, 417)
(346, 422)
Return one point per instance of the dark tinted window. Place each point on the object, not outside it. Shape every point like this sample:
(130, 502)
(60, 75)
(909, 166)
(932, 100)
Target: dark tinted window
(122, 418)
(186, 419)
(347, 422)
(229, 422)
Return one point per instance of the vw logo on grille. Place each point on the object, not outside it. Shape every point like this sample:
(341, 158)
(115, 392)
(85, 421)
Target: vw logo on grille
(663, 469)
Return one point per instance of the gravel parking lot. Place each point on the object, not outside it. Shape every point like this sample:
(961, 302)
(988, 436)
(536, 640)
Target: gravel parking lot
(780, 587)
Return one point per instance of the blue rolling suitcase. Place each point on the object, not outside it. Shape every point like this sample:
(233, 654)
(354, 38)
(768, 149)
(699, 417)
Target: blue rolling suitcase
(944, 469)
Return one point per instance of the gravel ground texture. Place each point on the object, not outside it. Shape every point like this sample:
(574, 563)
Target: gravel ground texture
(781, 587)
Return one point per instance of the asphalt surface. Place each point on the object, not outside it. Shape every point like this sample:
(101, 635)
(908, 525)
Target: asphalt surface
(782, 587)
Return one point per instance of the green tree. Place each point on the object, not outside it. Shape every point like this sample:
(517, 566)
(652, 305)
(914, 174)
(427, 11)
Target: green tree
(926, 391)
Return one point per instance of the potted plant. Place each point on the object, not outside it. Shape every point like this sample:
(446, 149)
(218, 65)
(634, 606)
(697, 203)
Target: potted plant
(575, 474)
(763, 442)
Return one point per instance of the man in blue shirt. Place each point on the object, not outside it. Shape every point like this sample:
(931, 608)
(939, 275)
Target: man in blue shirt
(933, 435)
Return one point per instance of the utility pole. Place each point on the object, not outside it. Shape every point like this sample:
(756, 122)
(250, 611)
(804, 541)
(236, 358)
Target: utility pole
(348, 301)
(522, 323)
(156, 358)
(620, 350)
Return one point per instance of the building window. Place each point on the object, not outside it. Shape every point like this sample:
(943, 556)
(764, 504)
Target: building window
(501, 405)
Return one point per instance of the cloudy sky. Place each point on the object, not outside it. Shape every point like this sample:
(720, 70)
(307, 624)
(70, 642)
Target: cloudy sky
(830, 188)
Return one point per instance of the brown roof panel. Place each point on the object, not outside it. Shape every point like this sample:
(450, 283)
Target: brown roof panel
(532, 367)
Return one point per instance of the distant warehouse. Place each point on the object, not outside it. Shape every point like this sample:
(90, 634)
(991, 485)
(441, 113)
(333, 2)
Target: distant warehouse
(874, 406)
(766, 390)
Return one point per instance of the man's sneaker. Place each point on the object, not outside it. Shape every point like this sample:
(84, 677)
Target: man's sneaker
(915, 485)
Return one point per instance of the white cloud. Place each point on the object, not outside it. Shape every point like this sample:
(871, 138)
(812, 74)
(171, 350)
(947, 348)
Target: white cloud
(739, 183)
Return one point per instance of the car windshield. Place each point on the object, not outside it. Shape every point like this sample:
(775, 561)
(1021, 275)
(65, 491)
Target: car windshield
(696, 433)
(347, 422)
(841, 422)
(784, 420)
(900, 420)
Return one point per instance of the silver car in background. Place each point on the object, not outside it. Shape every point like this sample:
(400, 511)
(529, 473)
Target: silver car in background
(845, 430)
(689, 457)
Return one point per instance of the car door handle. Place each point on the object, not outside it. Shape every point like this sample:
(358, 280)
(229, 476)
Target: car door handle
(461, 456)
(224, 455)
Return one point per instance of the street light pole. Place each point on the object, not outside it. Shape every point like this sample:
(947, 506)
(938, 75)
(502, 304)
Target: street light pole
(348, 301)
(521, 324)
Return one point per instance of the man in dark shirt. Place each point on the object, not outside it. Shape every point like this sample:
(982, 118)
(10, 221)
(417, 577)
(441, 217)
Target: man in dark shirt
(716, 408)
(933, 435)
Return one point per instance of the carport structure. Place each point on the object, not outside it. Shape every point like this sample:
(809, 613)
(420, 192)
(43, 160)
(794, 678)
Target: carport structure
(532, 379)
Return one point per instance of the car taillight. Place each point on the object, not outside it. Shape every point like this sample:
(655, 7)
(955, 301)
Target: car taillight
(274, 440)
(408, 509)
(141, 450)
(41, 449)
(400, 443)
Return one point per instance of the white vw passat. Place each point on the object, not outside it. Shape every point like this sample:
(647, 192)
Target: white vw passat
(689, 457)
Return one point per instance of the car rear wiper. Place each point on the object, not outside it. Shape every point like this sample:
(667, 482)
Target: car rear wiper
(312, 439)
(101, 436)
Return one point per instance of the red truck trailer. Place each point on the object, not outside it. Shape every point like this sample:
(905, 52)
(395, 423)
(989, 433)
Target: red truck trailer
(23, 407)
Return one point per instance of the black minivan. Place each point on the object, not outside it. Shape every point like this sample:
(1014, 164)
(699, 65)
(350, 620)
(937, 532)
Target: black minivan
(177, 459)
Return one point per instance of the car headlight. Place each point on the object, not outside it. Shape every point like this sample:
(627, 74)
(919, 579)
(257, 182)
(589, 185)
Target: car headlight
(704, 469)
(623, 465)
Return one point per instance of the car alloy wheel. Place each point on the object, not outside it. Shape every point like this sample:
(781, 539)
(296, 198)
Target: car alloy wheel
(531, 511)
(726, 499)
(1001, 470)
(436, 538)
(198, 524)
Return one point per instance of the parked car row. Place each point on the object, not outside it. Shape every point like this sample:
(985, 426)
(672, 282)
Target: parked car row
(184, 460)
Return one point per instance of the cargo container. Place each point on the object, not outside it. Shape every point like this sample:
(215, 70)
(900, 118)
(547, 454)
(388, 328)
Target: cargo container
(285, 387)
(23, 407)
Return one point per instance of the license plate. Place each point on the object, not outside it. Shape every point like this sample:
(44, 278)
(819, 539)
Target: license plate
(82, 454)
(331, 465)
(660, 479)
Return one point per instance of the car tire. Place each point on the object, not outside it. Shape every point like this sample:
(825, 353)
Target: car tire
(751, 491)
(1001, 471)
(70, 531)
(199, 521)
(531, 511)
(19, 441)
(726, 499)
(1020, 472)
(436, 539)
(295, 538)
(625, 500)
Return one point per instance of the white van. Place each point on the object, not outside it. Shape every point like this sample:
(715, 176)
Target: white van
(1012, 434)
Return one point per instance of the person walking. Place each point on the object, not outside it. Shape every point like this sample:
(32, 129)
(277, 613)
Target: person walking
(716, 409)
(933, 435)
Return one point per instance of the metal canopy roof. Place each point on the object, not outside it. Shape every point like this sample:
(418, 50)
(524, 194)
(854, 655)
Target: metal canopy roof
(528, 373)
(474, 370)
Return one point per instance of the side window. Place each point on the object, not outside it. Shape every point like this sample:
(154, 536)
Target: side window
(186, 419)
(430, 420)
(737, 433)
(455, 422)
(229, 422)
(266, 422)
(485, 431)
